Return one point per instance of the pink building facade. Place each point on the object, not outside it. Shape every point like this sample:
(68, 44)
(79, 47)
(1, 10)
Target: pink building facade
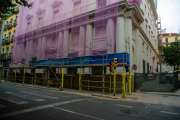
(54, 29)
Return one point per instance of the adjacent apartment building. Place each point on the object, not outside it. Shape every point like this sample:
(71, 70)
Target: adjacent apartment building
(7, 38)
(60, 29)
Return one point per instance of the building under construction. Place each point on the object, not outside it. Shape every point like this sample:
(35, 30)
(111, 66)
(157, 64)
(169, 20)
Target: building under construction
(85, 35)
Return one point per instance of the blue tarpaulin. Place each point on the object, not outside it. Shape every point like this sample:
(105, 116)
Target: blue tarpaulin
(99, 59)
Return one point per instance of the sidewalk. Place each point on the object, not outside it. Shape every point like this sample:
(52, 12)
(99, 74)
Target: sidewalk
(157, 98)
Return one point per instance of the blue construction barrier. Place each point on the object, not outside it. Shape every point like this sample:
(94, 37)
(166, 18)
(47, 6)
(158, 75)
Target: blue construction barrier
(83, 60)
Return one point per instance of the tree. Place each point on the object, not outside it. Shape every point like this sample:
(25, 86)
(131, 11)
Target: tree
(171, 54)
(7, 7)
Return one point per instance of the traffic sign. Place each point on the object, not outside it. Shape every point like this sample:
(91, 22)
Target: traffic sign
(135, 67)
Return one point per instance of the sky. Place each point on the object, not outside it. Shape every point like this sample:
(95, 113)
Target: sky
(169, 11)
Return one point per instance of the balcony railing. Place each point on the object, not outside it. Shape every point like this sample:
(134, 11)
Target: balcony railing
(5, 27)
(15, 23)
(4, 42)
(9, 26)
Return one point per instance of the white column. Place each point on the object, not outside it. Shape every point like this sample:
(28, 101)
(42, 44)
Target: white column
(31, 51)
(89, 37)
(129, 36)
(60, 45)
(42, 48)
(82, 38)
(66, 44)
(120, 40)
(39, 49)
(110, 36)
(27, 51)
(138, 50)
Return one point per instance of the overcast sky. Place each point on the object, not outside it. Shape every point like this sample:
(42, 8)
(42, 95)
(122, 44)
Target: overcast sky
(169, 11)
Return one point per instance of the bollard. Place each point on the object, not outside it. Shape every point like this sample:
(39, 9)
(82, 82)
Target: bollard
(48, 79)
(114, 92)
(71, 79)
(130, 82)
(62, 83)
(110, 83)
(123, 85)
(80, 81)
(103, 80)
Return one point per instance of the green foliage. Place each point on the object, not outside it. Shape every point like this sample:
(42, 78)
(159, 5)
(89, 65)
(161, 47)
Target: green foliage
(171, 54)
(7, 7)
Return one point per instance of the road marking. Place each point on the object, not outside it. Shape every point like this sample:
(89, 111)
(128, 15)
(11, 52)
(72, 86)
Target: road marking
(124, 106)
(170, 113)
(38, 108)
(51, 94)
(78, 113)
(45, 96)
(25, 96)
(2, 106)
(13, 100)
(94, 101)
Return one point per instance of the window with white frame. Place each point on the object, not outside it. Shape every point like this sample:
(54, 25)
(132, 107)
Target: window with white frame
(147, 51)
(143, 46)
(101, 3)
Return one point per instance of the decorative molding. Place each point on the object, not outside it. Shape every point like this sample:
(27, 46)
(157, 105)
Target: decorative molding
(40, 11)
(42, 1)
(76, 1)
(149, 27)
(146, 20)
(56, 3)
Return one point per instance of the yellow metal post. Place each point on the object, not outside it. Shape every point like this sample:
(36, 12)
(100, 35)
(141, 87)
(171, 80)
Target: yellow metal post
(24, 77)
(15, 76)
(123, 85)
(110, 83)
(71, 79)
(114, 82)
(103, 80)
(32, 78)
(62, 83)
(48, 79)
(130, 82)
(35, 78)
(80, 81)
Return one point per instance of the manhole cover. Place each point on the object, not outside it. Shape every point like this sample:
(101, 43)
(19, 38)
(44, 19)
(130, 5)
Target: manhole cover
(128, 111)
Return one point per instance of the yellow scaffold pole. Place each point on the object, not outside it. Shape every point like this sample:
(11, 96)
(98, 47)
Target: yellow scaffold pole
(80, 90)
(103, 80)
(35, 78)
(123, 85)
(110, 82)
(71, 79)
(114, 92)
(62, 79)
(15, 77)
(130, 82)
(48, 79)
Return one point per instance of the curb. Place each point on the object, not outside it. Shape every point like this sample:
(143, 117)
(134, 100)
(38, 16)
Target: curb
(105, 96)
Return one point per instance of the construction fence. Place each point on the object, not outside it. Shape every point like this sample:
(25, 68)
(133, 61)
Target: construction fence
(72, 78)
(157, 82)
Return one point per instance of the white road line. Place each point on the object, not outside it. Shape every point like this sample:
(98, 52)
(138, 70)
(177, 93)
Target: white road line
(94, 101)
(125, 106)
(51, 94)
(2, 106)
(38, 108)
(45, 96)
(170, 113)
(13, 100)
(78, 113)
(25, 96)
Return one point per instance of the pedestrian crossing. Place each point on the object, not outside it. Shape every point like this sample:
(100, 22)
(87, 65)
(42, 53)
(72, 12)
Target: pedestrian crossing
(25, 97)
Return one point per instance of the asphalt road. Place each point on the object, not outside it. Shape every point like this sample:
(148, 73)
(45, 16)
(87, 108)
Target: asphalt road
(23, 103)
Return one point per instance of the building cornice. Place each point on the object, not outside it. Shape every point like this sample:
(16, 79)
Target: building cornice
(153, 9)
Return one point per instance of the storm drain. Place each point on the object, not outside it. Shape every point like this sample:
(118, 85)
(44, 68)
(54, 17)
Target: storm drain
(126, 111)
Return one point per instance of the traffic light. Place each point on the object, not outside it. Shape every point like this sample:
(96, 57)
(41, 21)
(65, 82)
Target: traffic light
(111, 66)
(115, 62)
